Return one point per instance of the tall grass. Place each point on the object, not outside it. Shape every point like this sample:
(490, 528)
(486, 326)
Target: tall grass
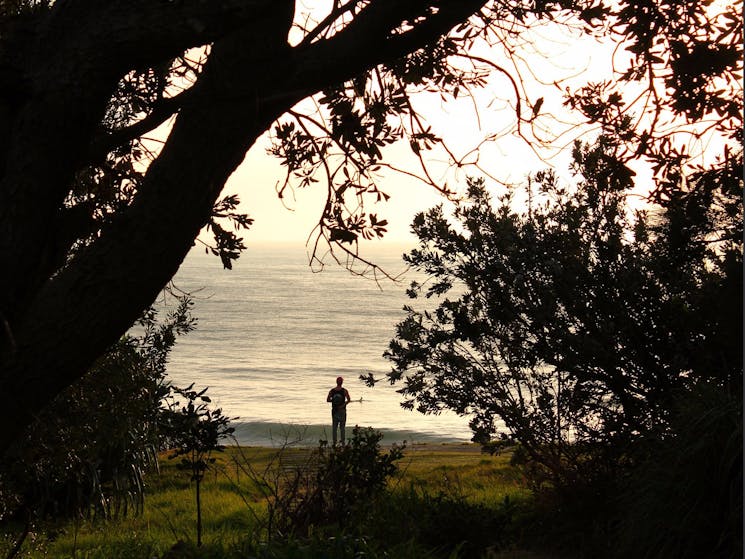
(478, 478)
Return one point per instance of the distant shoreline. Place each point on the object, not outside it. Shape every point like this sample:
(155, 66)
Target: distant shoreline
(276, 434)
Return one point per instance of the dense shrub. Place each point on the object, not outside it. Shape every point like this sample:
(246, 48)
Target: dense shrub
(681, 497)
(87, 452)
(338, 546)
(332, 485)
(444, 522)
(685, 500)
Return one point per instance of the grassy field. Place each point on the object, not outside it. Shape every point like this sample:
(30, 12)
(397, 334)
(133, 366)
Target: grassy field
(233, 501)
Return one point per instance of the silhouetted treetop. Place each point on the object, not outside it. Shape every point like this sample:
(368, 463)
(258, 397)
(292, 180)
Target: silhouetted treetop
(121, 121)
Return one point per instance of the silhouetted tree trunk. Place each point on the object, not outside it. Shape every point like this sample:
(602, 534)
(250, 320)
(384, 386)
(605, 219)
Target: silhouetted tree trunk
(60, 66)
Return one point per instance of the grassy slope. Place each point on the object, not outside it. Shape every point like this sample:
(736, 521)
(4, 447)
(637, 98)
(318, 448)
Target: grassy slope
(230, 499)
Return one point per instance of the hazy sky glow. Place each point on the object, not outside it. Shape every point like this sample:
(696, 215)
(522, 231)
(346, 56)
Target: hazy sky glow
(552, 58)
(463, 124)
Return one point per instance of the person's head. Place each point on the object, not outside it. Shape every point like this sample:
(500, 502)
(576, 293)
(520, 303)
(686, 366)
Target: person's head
(339, 381)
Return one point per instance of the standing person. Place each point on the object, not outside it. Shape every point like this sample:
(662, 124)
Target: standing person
(339, 398)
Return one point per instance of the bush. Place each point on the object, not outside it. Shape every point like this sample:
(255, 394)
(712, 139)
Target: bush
(326, 486)
(685, 500)
(445, 522)
(681, 497)
(354, 474)
(79, 458)
(339, 546)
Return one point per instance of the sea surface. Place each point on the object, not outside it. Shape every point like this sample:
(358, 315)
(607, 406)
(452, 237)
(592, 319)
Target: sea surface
(274, 333)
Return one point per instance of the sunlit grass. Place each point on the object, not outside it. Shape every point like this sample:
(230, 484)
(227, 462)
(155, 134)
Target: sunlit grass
(479, 478)
(233, 502)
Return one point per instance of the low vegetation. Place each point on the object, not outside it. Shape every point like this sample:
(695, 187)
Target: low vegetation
(422, 501)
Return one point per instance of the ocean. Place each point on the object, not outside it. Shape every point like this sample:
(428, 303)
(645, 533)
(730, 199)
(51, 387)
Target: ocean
(273, 335)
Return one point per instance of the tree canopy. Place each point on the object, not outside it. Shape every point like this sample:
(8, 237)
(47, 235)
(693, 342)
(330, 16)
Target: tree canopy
(575, 323)
(94, 220)
(603, 343)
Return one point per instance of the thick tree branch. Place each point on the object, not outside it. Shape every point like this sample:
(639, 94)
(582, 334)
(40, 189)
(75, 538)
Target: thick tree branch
(163, 109)
(70, 66)
(372, 39)
(99, 294)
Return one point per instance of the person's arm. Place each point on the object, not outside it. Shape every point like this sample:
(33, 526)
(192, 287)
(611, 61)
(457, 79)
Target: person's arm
(328, 398)
(346, 393)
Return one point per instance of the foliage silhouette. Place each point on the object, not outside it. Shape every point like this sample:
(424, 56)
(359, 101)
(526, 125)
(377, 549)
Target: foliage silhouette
(82, 458)
(96, 218)
(309, 490)
(575, 323)
(670, 509)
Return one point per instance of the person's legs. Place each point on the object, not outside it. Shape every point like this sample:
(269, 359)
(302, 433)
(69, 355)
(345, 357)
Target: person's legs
(342, 425)
(334, 425)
